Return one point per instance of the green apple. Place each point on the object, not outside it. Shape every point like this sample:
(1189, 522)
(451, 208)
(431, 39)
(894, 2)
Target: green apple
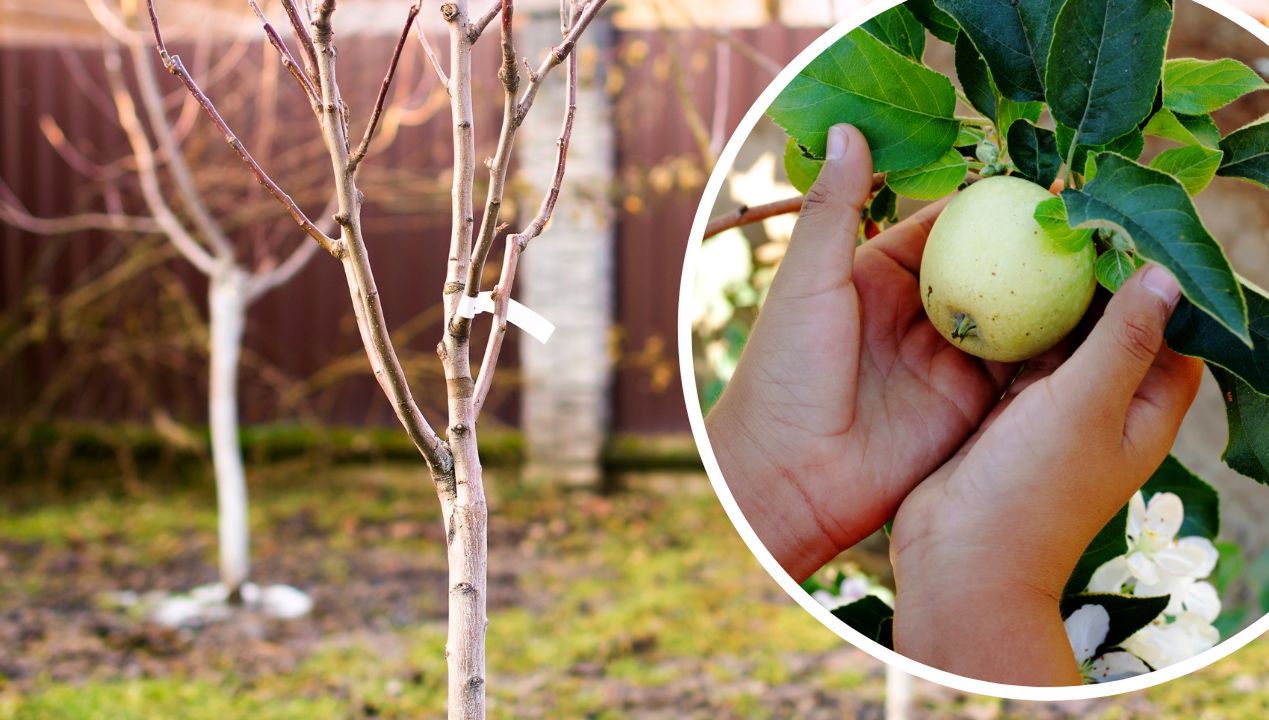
(993, 282)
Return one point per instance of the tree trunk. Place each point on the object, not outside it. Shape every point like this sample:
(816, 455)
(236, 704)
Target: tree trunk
(468, 581)
(898, 694)
(228, 305)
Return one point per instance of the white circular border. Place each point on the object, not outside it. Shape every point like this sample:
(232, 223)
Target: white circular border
(687, 370)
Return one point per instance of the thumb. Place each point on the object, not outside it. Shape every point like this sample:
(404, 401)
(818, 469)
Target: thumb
(823, 242)
(1109, 366)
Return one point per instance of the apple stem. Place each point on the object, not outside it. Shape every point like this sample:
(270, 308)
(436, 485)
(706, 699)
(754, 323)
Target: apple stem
(964, 326)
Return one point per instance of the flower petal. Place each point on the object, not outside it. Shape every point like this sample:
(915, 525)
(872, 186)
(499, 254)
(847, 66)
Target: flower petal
(1136, 515)
(1143, 568)
(1172, 586)
(1164, 515)
(1183, 561)
(1086, 630)
(1116, 666)
(1211, 554)
(1111, 576)
(1202, 599)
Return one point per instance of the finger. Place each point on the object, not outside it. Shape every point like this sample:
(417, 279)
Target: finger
(905, 241)
(822, 249)
(1106, 370)
(1160, 403)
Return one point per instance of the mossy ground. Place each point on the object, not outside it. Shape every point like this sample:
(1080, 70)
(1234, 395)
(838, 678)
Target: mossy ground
(641, 604)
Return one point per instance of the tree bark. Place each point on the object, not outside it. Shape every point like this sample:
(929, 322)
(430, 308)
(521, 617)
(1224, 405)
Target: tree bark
(228, 304)
(463, 493)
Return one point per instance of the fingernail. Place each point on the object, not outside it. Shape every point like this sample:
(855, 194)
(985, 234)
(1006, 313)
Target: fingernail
(1160, 282)
(837, 142)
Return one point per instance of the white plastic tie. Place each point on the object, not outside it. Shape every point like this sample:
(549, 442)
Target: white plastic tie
(517, 314)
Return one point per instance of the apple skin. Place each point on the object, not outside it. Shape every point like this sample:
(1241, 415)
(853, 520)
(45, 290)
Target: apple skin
(992, 281)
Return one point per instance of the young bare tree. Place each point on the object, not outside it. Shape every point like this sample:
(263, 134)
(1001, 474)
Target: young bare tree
(171, 169)
(453, 460)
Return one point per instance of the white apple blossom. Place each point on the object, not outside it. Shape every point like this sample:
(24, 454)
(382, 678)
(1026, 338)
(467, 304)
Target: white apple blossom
(1163, 643)
(1158, 563)
(1153, 548)
(1086, 629)
(853, 587)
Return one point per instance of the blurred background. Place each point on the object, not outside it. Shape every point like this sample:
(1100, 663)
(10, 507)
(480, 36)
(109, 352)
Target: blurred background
(617, 589)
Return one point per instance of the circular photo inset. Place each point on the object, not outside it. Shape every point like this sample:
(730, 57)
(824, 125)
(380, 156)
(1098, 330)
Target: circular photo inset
(975, 343)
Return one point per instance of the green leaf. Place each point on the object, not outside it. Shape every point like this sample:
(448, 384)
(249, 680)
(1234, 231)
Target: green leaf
(940, 24)
(871, 617)
(1008, 112)
(1128, 613)
(802, 170)
(1105, 65)
(998, 31)
(904, 109)
(1247, 413)
(1185, 129)
(1229, 567)
(1113, 268)
(975, 78)
(1194, 87)
(1247, 153)
(900, 29)
(1201, 501)
(1050, 215)
(1111, 542)
(1195, 333)
(1193, 165)
(1130, 144)
(1034, 153)
(932, 181)
(884, 206)
(969, 135)
(1160, 219)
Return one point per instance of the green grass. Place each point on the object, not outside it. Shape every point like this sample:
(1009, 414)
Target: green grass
(621, 602)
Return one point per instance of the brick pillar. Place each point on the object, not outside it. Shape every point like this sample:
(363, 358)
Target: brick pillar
(567, 273)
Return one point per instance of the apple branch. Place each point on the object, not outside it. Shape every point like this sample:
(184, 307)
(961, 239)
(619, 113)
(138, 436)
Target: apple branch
(367, 307)
(13, 212)
(557, 54)
(748, 215)
(288, 60)
(432, 58)
(364, 147)
(307, 50)
(174, 65)
(478, 26)
(517, 243)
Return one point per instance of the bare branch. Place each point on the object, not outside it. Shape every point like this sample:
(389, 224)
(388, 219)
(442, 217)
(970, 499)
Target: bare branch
(360, 153)
(361, 281)
(147, 171)
(307, 51)
(558, 53)
(748, 215)
(263, 281)
(510, 77)
(151, 98)
(13, 212)
(478, 26)
(432, 58)
(518, 242)
(288, 60)
(176, 67)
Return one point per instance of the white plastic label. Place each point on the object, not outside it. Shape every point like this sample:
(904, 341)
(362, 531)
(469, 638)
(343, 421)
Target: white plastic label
(517, 314)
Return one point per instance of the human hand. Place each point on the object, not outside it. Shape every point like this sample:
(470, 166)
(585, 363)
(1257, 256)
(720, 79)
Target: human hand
(845, 395)
(983, 548)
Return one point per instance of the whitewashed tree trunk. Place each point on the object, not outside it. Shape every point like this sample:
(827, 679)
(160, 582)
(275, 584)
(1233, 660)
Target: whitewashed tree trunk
(898, 694)
(227, 299)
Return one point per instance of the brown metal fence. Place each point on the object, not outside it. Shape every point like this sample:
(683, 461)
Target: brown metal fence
(297, 335)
